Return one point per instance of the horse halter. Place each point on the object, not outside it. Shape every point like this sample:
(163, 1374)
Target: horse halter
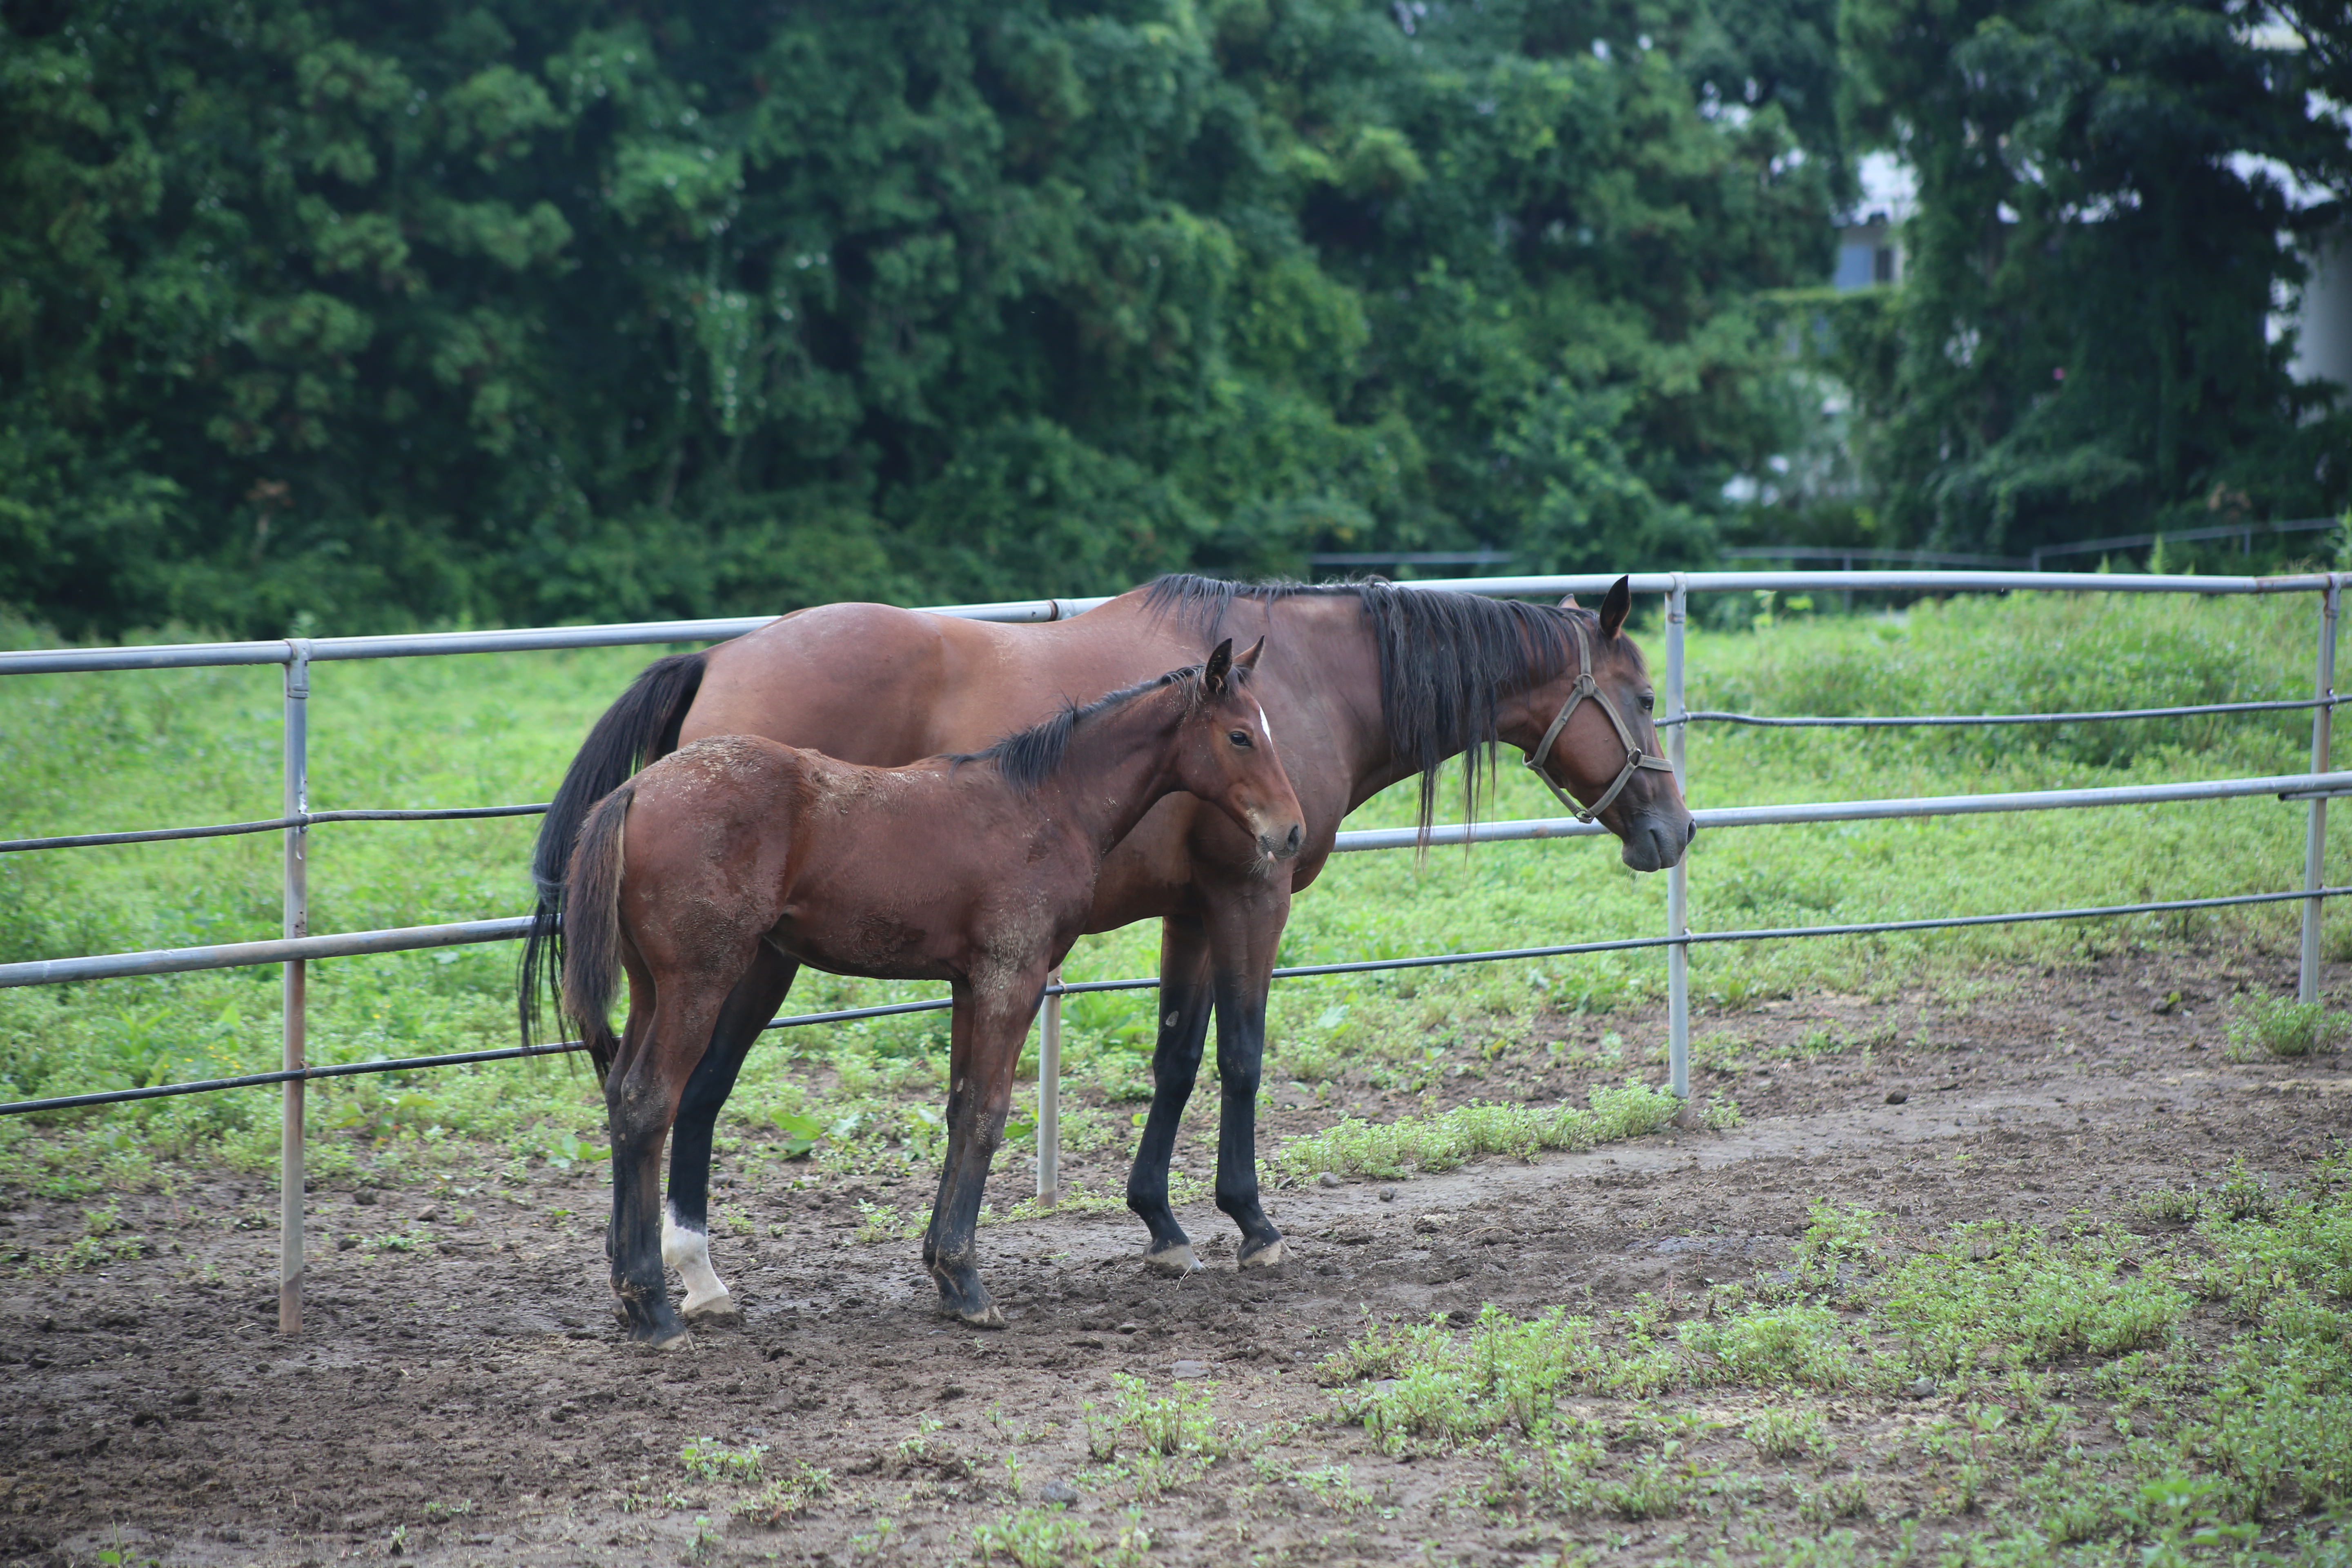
(1635, 758)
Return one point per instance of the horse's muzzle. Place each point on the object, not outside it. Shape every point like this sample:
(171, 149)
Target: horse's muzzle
(1656, 841)
(1281, 846)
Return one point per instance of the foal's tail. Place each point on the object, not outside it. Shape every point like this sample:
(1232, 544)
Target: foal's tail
(592, 922)
(638, 728)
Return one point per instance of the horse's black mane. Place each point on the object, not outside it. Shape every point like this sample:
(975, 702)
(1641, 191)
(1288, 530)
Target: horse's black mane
(1443, 655)
(1028, 758)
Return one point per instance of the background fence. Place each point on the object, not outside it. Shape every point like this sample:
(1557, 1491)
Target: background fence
(298, 946)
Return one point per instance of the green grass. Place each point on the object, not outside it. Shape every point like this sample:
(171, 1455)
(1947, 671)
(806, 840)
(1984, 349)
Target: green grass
(2083, 1407)
(87, 752)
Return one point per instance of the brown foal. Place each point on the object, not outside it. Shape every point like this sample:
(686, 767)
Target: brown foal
(978, 869)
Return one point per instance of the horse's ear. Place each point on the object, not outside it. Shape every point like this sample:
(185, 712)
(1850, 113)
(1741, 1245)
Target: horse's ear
(1614, 608)
(1249, 660)
(1213, 674)
(1568, 602)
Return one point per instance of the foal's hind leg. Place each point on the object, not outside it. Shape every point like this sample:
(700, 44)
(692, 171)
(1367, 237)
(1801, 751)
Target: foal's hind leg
(990, 1025)
(686, 1219)
(1184, 998)
(640, 1101)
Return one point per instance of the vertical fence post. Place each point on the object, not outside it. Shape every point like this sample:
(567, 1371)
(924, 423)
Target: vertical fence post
(1678, 877)
(1049, 1095)
(2315, 838)
(298, 923)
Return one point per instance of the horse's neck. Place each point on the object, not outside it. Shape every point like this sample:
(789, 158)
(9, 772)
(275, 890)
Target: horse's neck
(1117, 767)
(1346, 680)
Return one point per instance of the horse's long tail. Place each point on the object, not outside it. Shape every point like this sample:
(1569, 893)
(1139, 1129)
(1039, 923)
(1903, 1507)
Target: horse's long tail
(636, 729)
(591, 907)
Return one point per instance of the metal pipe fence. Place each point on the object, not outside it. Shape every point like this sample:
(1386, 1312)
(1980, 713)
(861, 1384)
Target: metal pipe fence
(296, 946)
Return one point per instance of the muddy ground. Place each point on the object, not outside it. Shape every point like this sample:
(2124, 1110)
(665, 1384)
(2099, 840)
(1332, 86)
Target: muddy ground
(469, 1400)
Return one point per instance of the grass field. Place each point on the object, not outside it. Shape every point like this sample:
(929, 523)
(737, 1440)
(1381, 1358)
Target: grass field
(2136, 1373)
(92, 753)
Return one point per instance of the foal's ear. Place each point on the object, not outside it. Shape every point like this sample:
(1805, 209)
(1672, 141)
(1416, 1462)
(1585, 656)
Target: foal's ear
(1249, 660)
(1568, 602)
(1213, 674)
(1615, 608)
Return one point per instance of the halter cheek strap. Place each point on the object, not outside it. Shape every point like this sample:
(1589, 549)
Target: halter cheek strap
(1635, 758)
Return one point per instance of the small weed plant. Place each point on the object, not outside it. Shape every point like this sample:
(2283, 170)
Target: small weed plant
(2261, 1028)
(708, 1459)
(1054, 1538)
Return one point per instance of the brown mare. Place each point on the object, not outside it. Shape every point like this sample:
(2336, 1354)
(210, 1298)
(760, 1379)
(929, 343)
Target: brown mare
(977, 870)
(1374, 684)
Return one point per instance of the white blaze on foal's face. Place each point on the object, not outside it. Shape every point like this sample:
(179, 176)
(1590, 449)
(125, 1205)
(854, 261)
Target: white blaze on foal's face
(1264, 724)
(687, 1250)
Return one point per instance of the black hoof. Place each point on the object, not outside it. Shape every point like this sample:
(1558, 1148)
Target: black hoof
(648, 1318)
(964, 1298)
(1265, 1254)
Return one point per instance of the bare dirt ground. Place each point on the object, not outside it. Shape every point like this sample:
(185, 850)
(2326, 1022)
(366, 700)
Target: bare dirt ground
(469, 1400)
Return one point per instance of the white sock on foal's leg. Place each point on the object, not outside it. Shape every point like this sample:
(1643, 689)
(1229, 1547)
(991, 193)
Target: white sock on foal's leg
(687, 1250)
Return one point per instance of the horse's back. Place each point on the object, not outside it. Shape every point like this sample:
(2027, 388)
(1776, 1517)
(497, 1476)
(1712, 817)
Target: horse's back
(883, 685)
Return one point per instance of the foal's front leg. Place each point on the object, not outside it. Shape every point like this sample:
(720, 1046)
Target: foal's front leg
(990, 1025)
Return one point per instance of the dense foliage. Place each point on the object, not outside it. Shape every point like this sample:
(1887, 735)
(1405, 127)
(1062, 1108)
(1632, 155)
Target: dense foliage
(2114, 196)
(538, 309)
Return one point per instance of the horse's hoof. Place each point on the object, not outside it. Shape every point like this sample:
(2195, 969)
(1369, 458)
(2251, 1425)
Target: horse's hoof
(1269, 1256)
(670, 1336)
(1177, 1259)
(987, 1315)
(717, 1310)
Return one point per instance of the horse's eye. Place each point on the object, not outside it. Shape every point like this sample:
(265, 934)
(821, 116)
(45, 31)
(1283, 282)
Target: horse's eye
(1238, 737)
(1649, 700)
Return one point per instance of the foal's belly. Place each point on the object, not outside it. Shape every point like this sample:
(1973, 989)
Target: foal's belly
(876, 945)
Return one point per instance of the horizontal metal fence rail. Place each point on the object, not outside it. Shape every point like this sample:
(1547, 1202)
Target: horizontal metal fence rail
(402, 939)
(274, 824)
(294, 950)
(416, 645)
(1151, 982)
(1868, 721)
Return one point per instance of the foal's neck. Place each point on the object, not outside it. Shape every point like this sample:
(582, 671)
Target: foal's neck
(1117, 767)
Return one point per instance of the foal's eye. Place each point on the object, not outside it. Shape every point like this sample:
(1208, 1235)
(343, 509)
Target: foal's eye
(1238, 737)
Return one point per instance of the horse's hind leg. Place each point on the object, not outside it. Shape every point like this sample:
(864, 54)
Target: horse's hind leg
(1184, 998)
(686, 1219)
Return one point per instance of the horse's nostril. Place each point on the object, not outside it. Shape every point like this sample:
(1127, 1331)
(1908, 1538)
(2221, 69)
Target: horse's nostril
(1290, 844)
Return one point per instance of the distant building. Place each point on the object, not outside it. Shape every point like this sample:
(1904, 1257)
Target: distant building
(2323, 319)
(1868, 253)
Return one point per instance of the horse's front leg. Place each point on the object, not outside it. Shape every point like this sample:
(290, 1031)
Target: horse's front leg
(1184, 998)
(990, 1025)
(686, 1219)
(1242, 936)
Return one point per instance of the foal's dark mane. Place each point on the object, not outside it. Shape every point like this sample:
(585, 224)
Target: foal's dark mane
(1028, 758)
(1443, 657)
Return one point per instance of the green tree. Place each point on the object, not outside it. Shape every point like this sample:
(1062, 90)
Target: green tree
(541, 309)
(2105, 225)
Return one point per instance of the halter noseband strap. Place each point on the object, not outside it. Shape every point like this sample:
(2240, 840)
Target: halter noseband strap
(1635, 758)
